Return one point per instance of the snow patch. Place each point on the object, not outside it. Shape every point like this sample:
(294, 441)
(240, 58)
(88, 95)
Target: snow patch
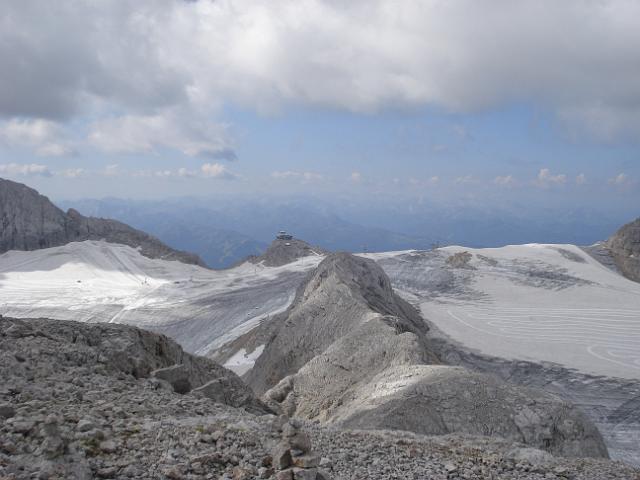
(241, 361)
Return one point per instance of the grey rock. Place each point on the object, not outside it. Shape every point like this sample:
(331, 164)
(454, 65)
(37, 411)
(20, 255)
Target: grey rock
(281, 456)
(306, 461)
(122, 349)
(156, 430)
(7, 410)
(530, 455)
(108, 446)
(176, 375)
(305, 474)
(350, 352)
(284, 475)
(85, 425)
(624, 246)
(30, 221)
(281, 252)
(323, 475)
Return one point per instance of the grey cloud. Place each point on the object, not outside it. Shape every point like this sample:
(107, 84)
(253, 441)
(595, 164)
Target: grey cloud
(141, 58)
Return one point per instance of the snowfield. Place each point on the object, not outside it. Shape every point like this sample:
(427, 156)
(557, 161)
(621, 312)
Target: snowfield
(104, 282)
(549, 303)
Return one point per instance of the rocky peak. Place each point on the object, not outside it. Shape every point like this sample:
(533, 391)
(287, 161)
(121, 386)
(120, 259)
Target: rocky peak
(30, 221)
(286, 250)
(624, 247)
(352, 353)
(339, 296)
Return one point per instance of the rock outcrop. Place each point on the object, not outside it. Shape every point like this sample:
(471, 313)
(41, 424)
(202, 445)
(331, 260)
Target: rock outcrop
(350, 352)
(29, 221)
(103, 401)
(39, 348)
(624, 247)
(283, 251)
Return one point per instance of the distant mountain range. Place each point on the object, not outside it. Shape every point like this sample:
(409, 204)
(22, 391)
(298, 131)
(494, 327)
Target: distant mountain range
(225, 230)
(223, 234)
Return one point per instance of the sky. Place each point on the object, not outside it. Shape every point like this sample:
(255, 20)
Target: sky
(503, 101)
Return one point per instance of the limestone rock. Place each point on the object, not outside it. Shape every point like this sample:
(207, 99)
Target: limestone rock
(29, 221)
(283, 251)
(624, 246)
(350, 352)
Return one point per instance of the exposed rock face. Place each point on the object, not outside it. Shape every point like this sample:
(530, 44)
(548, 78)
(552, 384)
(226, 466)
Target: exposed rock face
(350, 352)
(624, 246)
(281, 252)
(44, 346)
(71, 406)
(339, 298)
(29, 221)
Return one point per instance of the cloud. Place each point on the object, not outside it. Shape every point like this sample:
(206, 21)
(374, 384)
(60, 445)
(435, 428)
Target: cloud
(546, 179)
(581, 179)
(25, 169)
(217, 170)
(429, 182)
(44, 137)
(73, 172)
(356, 177)
(112, 170)
(622, 180)
(147, 134)
(306, 177)
(505, 181)
(466, 180)
(145, 58)
(185, 172)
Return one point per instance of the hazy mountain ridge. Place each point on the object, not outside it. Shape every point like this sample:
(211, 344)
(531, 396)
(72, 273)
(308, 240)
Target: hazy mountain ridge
(226, 229)
(225, 232)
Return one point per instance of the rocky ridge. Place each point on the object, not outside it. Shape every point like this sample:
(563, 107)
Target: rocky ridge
(350, 352)
(30, 221)
(81, 403)
(283, 251)
(624, 247)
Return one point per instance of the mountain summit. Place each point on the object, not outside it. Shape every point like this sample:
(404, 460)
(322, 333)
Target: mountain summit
(350, 352)
(30, 221)
(286, 249)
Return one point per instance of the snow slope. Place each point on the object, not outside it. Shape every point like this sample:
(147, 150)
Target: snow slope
(105, 282)
(551, 303)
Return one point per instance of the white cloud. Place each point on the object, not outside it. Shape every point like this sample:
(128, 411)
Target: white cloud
(112, 170)
(305, 177)
(146, 134)
(581, 179)
(184, 172)
(466, 180)
(285, 174)
(44, 137)
(429, 182)
(32, 169)
(73, 172)
(505, 181)
(546, 179)
(217, 170)
(363, 55)
(622, 180)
